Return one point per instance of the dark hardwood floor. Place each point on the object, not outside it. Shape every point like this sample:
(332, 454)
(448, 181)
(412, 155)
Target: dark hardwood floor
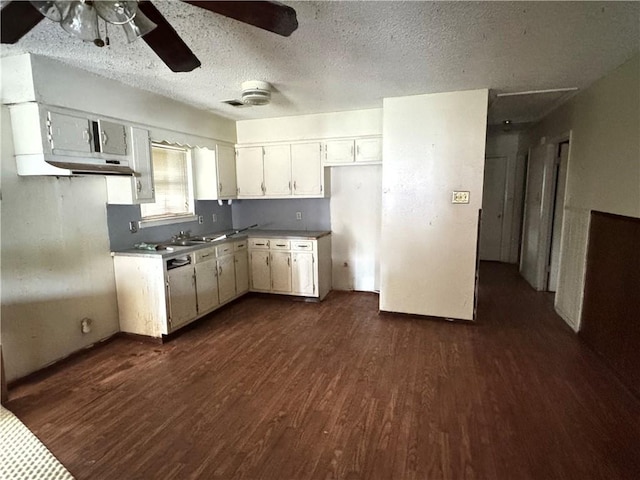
(270, 388)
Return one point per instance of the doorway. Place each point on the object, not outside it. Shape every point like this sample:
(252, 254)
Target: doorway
(558, 213)
(493, 205)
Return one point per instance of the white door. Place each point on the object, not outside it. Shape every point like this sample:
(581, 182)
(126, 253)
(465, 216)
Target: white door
(207, 285)
(226, 278)
(491, 225)
(306, 168)
(260, 271)
(339, 151)
(558, 213)
(537, 216)
(226, 171)
(302, 273)
(277, 170)
(249, 173)
(368, 150)
(242, 272)
(182, 296)
(281, 272)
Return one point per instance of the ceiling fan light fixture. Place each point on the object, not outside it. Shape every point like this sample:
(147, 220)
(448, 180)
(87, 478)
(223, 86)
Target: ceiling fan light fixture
(52, 9)
(118, 12)
(256, 92)
(81, 21)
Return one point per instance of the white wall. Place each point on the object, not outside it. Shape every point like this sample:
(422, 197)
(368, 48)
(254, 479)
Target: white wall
(433, 144)
(355, 190)
(503, 144)
(56, 264)
(603, 171)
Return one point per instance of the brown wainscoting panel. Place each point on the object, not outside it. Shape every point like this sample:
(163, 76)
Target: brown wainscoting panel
(611, 308)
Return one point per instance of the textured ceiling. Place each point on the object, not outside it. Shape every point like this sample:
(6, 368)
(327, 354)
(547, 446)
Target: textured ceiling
(350, 55)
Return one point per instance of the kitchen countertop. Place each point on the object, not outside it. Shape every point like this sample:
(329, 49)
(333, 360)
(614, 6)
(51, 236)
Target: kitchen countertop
(178, 250)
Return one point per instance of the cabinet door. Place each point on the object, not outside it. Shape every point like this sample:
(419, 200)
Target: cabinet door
(339, 151)
(306, 168)
(226, 278)
(303, 273)
(277, 170)
(207, 285)
(281, 272)
(69, 133)
(113, 138)
(369, 150)
(249, 172)
(242, 272)
(227, 186)
(181, 291)
(205, 173)
(143, 180)
(260, 271)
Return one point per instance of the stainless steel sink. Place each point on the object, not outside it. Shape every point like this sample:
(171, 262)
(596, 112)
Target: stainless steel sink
(187, 242)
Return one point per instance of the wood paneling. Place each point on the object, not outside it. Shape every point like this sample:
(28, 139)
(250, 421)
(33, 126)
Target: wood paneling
(269, 388)
(611, 306)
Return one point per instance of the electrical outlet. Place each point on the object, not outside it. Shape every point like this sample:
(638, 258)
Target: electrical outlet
(460, 197)
(200, 219)
(215, 218)
(298, 215)
(133, 227)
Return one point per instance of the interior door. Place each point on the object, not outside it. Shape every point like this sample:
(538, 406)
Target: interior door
(492, 222)
(558, 213)
(537, 216)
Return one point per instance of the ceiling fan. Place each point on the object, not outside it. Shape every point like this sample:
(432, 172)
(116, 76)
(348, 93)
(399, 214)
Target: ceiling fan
(17, 18)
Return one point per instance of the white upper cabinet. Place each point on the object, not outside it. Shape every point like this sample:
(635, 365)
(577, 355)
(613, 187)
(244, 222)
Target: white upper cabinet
(277, 170)
(339, 151)
(249, 172)
(138, 188)
(69, 133)
(349, 151)
(368, 150)
(226, 163)
(214, 172)
(306, 169)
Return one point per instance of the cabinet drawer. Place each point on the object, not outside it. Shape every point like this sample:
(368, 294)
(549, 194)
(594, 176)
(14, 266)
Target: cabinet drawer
(205, 254)
(224, 249)
(259, 243)
(240, 245)
(302, 245)
(280, 244)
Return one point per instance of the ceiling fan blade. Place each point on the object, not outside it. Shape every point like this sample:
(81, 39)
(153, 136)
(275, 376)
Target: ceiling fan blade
(272, 16)
(166, 42)
(16, 20)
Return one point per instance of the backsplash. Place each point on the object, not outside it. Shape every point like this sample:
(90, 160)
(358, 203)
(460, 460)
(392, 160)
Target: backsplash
(119, 216)
(281, 214)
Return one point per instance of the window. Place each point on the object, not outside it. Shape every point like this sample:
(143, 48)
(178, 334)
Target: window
(173, 185)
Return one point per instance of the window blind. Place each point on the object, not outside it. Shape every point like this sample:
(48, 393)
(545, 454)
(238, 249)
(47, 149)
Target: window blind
(171, 181)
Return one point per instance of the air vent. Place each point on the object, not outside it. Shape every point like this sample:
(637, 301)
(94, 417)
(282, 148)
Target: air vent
(236, 103)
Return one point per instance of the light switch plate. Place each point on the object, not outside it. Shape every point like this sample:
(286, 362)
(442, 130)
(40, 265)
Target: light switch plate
(460, 197)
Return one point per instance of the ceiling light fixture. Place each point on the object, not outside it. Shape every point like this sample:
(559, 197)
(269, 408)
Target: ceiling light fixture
(256, 92)
(80, 17)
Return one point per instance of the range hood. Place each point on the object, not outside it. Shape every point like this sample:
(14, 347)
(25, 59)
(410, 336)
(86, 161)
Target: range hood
(40, 164)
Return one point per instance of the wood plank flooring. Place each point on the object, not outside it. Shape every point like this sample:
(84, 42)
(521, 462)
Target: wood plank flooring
(270, 388)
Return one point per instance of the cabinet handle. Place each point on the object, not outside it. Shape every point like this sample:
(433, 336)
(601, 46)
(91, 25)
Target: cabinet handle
(358, 151)
(138, 186)
(267, 259)
(105, 138)
(280, 245)
(289, 185)
(86, 136)
(220, 270)
(268, 242)
(262, 187)
(352, 150)
(289, 261)
(205, 256)
(303, 246)
(220, 187)
(295, 185)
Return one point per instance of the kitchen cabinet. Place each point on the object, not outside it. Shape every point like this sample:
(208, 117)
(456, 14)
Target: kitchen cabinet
(291, 266)
(249, 172)
(69, 133)
(241, 260)
(363, 150)
(158, 294)
(138, 188)
(206, 270)
(280, 272)
(181, 296)
(306, 169)
(277, 170)
(214, 172)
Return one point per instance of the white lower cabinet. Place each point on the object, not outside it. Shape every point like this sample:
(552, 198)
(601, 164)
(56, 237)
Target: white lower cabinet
(241, 260)
(290, 266)
(157, 296)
